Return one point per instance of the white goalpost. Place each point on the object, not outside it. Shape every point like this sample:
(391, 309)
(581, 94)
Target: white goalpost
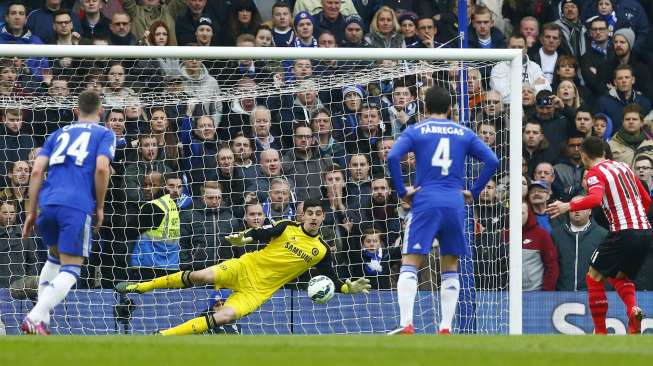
(198, 106)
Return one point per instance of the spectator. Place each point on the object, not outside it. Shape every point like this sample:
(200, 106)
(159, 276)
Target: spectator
(644, 169)
(283, 33)
(539, 257)
(188, 22)
(230, 179)
(303, 164)
(18, 261)
(408, 24)
(18, 175)
(269, 168)
(204, 34)
(485, 34)
(602, 126)
(544, 172)
(9, 83)
(115, 91)
(150, 73)
(385, 30)
(327, 145)
(613, 103)
(148, 11)
(200, 146)
(531, 74)
(280, 203)
(331, 19)
(372, 259)
(260, 120)
(528, 100)
(243, 158)
(156, 251)
(573, 30)
(567, 69)
(402, 107)
(121, 30)
(237, 115)
(569, 95)
(555, 124)
(597, 53)
(551, 47)
(529, 27)
(370, 129)
(16, 142)
(264, 37)
(41, 21)
(46, 120)
(359, 189)
(148, 161)
(623, 55)
(354, 33)
(315, 6)
(93, 22)
(621, 14)
(381, 211)
(63, 29)
(244, 18)
(304, 31)
(584, 121)
(15, 32)
(539, 194)
(490, 249)
(305, 103)
(575, 243)
(203, 230)
(348, 122)
(338, 226)
(569, 172)
(235, 70)
(198, 83)
(631, 140)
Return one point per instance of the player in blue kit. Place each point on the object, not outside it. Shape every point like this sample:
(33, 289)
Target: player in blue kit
(77, 159)
(438, 200)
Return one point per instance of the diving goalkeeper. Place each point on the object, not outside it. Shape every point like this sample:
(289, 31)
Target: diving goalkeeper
(292, 249)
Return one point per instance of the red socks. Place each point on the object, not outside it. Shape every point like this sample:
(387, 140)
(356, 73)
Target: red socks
(626, 290)
(598, 303)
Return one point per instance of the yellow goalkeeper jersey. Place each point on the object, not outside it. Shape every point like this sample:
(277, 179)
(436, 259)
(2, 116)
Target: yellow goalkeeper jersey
(290, 252)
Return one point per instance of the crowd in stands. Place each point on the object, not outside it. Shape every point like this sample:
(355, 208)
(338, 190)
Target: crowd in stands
(188, 173)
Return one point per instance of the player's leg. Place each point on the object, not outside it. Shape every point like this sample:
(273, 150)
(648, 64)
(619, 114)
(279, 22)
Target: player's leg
(596, 299)
(181, 279)
(453, 245)
(49, 231)
(418, 240)
(449, 290)
(202, 324)
(50, 270)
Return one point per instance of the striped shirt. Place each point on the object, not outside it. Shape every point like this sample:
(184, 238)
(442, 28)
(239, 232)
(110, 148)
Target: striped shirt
(623, 197)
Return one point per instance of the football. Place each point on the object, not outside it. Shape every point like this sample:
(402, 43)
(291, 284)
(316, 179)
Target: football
(321, 289)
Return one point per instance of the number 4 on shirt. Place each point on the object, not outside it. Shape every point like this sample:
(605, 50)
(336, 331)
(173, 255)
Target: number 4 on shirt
(77, 149)
(441, 156)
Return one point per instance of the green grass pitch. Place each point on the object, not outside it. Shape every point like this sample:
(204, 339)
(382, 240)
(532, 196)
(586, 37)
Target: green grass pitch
(360, 350)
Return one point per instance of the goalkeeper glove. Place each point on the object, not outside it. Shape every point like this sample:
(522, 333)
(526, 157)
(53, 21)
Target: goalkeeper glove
(358, 286)
(238, 239)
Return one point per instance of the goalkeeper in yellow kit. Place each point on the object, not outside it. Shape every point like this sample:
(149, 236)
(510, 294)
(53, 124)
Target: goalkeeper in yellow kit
(292, 249)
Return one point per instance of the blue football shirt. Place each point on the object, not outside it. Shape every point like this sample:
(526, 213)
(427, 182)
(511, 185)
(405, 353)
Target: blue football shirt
(73, 151)
(441, 148)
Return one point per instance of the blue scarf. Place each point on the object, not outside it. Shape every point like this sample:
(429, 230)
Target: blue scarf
(375, 258)
(267, 210)
(611, 19)
(599, 50)
(298, 43)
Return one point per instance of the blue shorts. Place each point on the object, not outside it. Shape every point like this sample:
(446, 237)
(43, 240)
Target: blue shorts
(66, 228)
(444, 223)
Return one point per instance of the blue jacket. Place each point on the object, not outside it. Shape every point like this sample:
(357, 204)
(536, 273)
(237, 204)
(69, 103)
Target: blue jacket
(36, 65)
(41, 23)
(630, 14)
(612, 104)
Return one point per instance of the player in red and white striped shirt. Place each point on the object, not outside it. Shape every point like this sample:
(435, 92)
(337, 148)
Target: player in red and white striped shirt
(625, 201)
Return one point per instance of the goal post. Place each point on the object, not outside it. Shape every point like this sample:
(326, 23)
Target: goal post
(411, 64)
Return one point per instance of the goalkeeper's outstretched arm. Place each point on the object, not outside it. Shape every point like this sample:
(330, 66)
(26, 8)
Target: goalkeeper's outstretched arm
(260, 235)
(325, 266)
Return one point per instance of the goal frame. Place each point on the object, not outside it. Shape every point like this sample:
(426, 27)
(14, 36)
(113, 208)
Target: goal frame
(512, 56)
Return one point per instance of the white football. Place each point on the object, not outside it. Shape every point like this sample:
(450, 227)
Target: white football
(321, 289)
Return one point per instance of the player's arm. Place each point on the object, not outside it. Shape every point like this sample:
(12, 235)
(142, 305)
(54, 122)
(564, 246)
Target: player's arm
(325, 266)
(35, 183)
(261, 235)
(595, 188)
(480, 151)
(400, 148)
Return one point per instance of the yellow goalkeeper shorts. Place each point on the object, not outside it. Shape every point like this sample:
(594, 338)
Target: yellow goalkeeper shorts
(246, 296)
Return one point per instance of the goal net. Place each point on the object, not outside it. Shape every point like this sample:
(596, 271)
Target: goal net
(239, 138)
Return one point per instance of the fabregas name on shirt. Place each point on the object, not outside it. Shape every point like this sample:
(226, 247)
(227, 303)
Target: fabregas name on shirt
(444, 130)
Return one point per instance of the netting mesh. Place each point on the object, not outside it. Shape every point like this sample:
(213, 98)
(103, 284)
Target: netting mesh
(240, 144)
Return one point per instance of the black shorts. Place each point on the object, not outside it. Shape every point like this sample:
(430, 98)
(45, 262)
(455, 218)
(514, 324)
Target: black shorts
(622, 251)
